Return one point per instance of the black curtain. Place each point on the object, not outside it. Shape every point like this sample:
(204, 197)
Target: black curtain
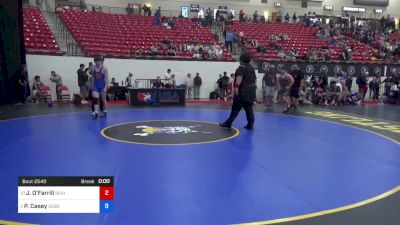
(12, 51)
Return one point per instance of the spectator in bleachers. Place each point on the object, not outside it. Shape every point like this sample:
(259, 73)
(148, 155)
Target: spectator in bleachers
(129, 9)
(153, 49)
(171, 50)
(189, 86)
(82, 80)
(146, 10)
(229, 40)
(197, 55)
(82, 6)
(287, 18)
(294, 18)
(166, 42)
(255, 17)
(241, 15)
(158, 12)
(222, 21)
(219, 52)
(39, 3)
(209, 16)
(197, 82)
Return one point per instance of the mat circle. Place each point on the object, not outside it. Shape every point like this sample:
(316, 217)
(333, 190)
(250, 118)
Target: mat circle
(168, 132)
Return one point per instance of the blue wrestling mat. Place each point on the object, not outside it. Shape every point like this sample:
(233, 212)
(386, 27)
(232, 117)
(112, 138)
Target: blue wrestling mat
(178, 167)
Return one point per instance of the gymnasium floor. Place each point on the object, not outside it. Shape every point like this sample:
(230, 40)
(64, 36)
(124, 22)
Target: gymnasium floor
(318, 166)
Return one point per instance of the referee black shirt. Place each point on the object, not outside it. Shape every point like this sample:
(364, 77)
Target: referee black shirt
(247, 89)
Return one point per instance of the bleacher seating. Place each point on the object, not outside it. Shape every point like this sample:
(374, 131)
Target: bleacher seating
(301, 38)
(37, 34)
(394, 36)
(117, 35)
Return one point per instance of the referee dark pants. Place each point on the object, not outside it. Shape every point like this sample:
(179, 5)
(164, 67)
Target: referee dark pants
(238, 104)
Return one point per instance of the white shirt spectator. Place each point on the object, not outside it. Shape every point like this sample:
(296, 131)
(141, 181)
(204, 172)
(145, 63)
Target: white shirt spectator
(218, 52)
(168, 75)
(189, 82)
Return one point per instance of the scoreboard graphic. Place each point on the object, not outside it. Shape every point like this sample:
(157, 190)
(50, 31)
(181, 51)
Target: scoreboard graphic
(65, 194)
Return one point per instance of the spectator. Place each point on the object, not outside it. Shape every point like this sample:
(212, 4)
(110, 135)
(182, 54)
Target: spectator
(218, 52)
(332, 94)
(231, 86)
(168, 74)
(189, 86)
(172, 81)
(209, 17)
(35, 88)
(285, 81)
(56, 78)
(197, 85)
(362, 85)
(22, 85)
(153, 49)
(158, 83)
(82, 80)
(171, 51)
(269, 84)
(303, 97)
(294, 18)
(374, 86)
(287, 18)
(113, 83)
(224, 86)
(229, 40)
(241, 15)
(158, 12)
(128, 80)
(88, 72)
(255, 17)
(219, 85)
(82, 6)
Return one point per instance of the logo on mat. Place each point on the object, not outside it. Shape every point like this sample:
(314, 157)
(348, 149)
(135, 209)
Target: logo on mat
(167, 132)
(146, 130)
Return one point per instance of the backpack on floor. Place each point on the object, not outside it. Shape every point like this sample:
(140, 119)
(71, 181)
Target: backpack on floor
(213, 95)
(77, 100)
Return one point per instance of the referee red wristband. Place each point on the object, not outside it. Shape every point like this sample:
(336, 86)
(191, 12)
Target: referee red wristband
(237, 85)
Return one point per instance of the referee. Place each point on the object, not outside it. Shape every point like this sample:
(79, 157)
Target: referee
(244, 92)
